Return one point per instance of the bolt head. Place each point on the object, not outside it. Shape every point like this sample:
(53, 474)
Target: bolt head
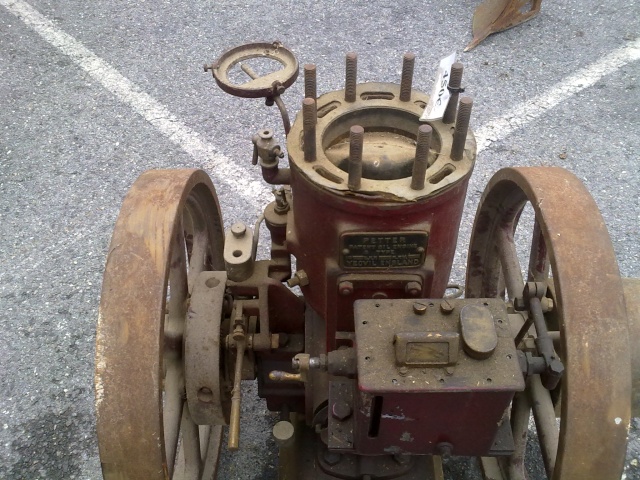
(238, 229)
(341, 410)
(345, 288)
(332, 458)
(413, 289)
(303, 278)
(446, 307)
(402, 458)
(419, 308)
(444, 449)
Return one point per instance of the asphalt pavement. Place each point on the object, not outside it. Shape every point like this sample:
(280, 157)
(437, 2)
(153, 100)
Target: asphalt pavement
(94, 93)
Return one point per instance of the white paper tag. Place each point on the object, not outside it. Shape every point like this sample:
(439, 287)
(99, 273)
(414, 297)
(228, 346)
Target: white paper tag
(440, 94)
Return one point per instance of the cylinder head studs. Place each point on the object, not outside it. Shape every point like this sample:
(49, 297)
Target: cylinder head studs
(455, 82)
(351, 77)
(310, 82)
(421, 162)
(462, 126)
(356, 143)
(406, 80)
(309, 120)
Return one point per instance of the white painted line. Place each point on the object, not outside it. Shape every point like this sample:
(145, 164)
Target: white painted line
(222, 168)
(525, 112)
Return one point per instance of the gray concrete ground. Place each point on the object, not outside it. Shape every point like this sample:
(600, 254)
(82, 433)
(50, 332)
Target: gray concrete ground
(70, 148)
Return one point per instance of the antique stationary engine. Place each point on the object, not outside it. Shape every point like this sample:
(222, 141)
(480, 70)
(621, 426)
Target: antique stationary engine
(379, 367)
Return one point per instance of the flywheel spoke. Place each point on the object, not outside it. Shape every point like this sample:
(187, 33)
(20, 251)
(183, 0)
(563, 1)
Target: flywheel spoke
(172, 410)
(510, 263)
(546, 425)
(538, 259)
(520, 414)
(189, 464)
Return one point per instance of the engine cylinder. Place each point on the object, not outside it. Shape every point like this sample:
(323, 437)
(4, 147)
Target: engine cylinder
(385, 238)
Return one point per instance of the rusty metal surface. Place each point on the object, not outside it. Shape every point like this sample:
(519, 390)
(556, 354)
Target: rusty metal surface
(493, 16)
(270, 85)
(632, 300)
(169, 229)
(206, 390)
(589, 308)
(390, 133)
(318, 250)
(396, 402)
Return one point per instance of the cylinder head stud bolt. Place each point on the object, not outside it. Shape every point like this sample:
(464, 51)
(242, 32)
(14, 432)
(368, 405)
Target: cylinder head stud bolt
(238, 230)
(421, 162)
(309, 120)
(462, 127)
(413, 289)
(310, 88)
(455, 82)
(351, 77)
(406, 80)
(356, 144)
(345, 288)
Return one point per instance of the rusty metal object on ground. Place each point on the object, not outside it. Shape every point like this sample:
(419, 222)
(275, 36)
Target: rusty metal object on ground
(493, 16)
(570, 244)
(168, 231)
(375, 371)
(385, 202)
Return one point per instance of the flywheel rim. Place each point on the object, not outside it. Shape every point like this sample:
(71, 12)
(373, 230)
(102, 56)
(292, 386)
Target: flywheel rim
(166, 217)
(594, 332)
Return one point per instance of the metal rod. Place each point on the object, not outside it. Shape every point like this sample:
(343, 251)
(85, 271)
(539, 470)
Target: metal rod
(509, 261)
(356, 142)
(406, 81)
(286, 121)
(309, 120)
(351, 77)
(462, 126)
(520, 413)
(545, 417)
(421, 162)
(236, 397)
(455, 82)
(310, 84)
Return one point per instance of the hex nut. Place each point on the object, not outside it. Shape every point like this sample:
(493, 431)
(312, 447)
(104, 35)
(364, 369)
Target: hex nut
(413, 288)
(345, 288)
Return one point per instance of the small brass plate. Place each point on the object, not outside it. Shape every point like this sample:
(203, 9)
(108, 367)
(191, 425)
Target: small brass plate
(383, 250)
(426, 349)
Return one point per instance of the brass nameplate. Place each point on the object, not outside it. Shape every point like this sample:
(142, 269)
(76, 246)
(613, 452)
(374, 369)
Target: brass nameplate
(383, 250)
